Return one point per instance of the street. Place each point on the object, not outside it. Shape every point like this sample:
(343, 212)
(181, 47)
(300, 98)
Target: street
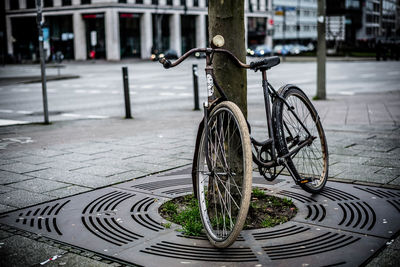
(98, 93)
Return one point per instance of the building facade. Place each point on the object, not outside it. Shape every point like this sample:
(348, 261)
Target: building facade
(378, 19)
(115, 29)
(295, 21)
(367, 21)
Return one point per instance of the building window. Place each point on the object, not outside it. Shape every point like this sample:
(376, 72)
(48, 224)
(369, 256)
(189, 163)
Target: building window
(154, 2)
(14, 4)
(195, 2)
(183, 2)
(122, 1)
(66, 2)
(30, 3)
(85, 2)
(139, 1)
(169, 2)
(48, 3)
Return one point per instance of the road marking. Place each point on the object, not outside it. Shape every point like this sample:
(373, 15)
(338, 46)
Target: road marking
(6, 111)
(148, 86)
(25, 112)
(70, 115)
(346, 93)
(114, 92)
(80, 91)
(94, 92)
(51, 90)
(132, 93)
(11, 122)
(167, 94)
(185, 94)
(165, 87)
(74, 115)
(368, 75)
(96, 117)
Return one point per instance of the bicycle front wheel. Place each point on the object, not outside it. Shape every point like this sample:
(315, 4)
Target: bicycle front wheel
(311, 161)
(224, 174)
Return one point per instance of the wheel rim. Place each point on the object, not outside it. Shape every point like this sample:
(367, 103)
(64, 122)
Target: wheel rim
(221, 188)
(311, 160)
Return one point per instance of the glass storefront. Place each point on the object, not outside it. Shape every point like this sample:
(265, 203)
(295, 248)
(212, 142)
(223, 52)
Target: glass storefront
(95, 36)
(188, 31)
(161, 22)
(129, 30)
(61, 35)
(256, 30)
(24, 37)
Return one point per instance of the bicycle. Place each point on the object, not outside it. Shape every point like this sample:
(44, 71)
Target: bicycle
(224, 152)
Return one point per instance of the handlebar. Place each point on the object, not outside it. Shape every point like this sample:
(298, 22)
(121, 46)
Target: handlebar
(168, 64)
(265, 63)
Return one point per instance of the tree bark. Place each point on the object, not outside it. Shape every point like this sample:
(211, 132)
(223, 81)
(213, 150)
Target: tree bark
(226, 18)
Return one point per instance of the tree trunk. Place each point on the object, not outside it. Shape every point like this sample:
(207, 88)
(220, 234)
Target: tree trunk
(226, 18)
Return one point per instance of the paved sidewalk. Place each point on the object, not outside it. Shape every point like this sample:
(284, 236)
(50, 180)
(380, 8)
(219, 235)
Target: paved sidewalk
(40, 163)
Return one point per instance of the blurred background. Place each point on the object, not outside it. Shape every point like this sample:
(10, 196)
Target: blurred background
(147, 29)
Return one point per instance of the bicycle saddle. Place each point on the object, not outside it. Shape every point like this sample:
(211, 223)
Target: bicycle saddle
(265, 64)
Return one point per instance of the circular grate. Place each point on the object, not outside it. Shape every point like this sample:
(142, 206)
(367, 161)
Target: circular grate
(123, 222)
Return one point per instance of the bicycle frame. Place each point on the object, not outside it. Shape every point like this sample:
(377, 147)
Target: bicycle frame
(270, 95)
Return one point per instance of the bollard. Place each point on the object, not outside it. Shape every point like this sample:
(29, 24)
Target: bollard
(126, 93)
(196, 87)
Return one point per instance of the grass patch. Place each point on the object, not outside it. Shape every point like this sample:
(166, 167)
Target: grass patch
(264, 211)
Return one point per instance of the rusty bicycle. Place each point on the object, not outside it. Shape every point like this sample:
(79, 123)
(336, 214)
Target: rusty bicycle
(224, 153)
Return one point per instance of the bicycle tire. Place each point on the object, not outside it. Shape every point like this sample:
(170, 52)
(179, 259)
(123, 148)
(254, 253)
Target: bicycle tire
(311, 161)
(224, 192)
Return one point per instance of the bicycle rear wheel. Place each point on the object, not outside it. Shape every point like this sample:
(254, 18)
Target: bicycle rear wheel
(312, 160)
(224, 183)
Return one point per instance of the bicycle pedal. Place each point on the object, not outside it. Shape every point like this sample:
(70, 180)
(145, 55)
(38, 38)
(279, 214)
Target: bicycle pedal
(305, 180)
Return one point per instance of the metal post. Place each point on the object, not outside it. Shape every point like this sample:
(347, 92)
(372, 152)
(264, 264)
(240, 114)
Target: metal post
(284, 33)
(40, 22)
(321, 52)
(196, 87)
(126, 93)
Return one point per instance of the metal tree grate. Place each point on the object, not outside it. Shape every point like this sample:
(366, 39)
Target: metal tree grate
(123, 222)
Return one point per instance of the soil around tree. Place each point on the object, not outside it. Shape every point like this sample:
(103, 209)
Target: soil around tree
(264, 211)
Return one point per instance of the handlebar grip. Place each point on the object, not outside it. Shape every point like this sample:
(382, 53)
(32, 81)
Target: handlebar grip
(165, 62)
